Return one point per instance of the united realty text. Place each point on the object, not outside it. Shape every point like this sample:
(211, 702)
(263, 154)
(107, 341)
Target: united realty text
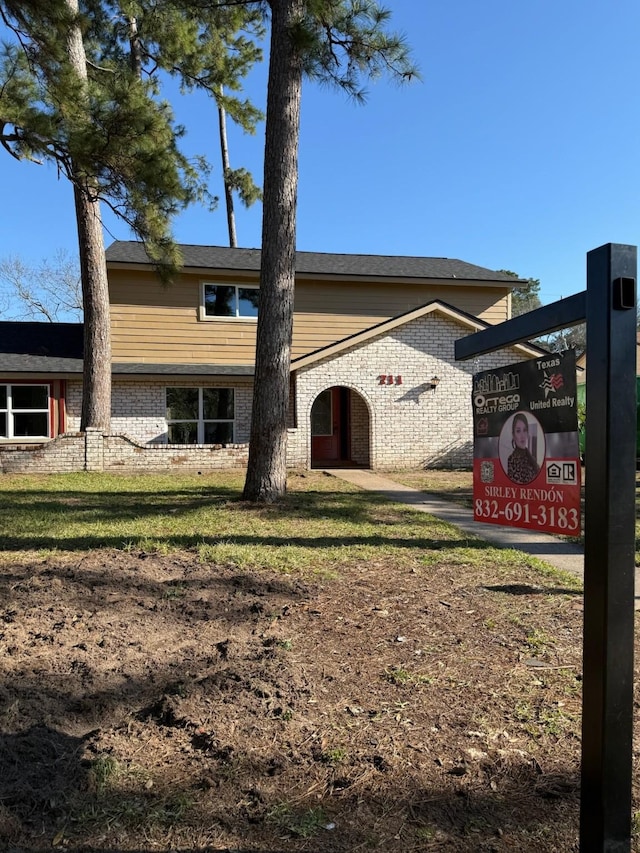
(552, 403)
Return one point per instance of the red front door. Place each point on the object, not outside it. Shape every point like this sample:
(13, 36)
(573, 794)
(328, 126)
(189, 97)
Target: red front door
(327, 427)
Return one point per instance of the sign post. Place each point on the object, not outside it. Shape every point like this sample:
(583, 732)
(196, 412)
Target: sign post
(609, 307)
(607, 695)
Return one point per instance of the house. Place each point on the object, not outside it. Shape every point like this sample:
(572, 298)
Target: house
(374, 381)
(581, 363)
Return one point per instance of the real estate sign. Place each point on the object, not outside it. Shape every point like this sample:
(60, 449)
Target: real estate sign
(526, 465)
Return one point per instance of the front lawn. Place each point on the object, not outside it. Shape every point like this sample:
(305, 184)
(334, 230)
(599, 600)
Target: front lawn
(334, 673)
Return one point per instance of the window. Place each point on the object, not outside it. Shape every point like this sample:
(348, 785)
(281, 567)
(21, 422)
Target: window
(24, 411)
(322, 414)
(200, 415)
(230, 300)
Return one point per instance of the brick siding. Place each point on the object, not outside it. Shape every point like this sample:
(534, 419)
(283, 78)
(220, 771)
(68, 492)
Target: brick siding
(400, 425)
(93, 451)
(138, 408)
(408, 424)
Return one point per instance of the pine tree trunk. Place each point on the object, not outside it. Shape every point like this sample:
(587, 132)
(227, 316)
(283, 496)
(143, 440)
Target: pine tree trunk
(96, 379)
(135, 57)
(267, 466)
(226, 166)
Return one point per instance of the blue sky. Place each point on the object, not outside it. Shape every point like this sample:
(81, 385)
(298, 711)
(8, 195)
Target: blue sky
(519, 149)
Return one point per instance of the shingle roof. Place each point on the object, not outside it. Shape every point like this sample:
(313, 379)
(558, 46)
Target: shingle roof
(318, 263)
(12, 363)
(41, 347)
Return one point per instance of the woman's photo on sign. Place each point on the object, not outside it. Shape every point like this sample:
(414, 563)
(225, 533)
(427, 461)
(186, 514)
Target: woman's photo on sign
(522, 447)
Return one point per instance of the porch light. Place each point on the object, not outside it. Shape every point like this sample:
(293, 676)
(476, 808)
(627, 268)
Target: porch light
(434, 382)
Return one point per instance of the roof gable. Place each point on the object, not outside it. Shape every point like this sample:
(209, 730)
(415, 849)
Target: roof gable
(472, 324)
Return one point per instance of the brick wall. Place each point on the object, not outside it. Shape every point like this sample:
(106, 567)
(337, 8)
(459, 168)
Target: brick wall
(93, 451)
(64, 453)
(138, 408)
(360, 431)
(408, 424)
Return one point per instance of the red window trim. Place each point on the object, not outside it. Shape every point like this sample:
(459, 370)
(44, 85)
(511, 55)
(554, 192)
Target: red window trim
(62, 408)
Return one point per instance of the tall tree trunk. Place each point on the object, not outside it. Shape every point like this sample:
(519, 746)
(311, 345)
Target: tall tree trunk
(267, 466)
(96, 379)
(226, 168)
(135, 57)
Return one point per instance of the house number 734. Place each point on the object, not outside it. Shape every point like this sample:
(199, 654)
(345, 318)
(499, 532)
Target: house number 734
(387, 379)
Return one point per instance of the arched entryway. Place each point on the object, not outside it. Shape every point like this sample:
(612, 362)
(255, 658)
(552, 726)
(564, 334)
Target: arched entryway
(339, 429)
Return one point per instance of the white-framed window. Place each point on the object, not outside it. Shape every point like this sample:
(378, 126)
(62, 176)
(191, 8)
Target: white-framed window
(200, 415)
(24, 411)
(224, 301)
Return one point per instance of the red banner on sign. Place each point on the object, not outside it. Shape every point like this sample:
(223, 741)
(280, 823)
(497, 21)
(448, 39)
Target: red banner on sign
(550, 502)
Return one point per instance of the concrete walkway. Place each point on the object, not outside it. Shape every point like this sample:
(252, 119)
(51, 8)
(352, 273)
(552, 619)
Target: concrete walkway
(559, 553)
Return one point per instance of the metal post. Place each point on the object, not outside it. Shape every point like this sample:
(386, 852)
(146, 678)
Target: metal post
(607, 715)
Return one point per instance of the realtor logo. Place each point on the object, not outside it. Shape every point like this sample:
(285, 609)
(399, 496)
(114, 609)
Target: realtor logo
(562, 472)
(552, 382)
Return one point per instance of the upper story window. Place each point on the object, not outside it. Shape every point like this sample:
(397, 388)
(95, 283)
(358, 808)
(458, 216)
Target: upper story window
(24, 411)
(230, 300)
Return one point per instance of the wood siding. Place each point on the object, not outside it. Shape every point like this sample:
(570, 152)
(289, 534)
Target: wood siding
(155, 324)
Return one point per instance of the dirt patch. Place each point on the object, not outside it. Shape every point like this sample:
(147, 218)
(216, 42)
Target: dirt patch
(158, 702)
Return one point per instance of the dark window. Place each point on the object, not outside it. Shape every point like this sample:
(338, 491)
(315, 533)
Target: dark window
(200, 415)
(321, 414)
(24, 411)
(30, 397)
(182, 404)
(248, 301)
(32, 424)
(230, 300)
(185, 432)
(218, 404)
(219, 301)
(218, 433)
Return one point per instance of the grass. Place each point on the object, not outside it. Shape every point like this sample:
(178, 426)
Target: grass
(305, 824)
(321, 523)
(537, 640)
(457, 486)
(335, 755)
(124, 797)
(401, 676)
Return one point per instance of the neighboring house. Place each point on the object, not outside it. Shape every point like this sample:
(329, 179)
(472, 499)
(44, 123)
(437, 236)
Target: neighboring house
(581, 377)
(374, 381)
(581, 363)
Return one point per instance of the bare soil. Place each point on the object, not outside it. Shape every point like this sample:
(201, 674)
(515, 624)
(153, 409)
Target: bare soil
(156, 702)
